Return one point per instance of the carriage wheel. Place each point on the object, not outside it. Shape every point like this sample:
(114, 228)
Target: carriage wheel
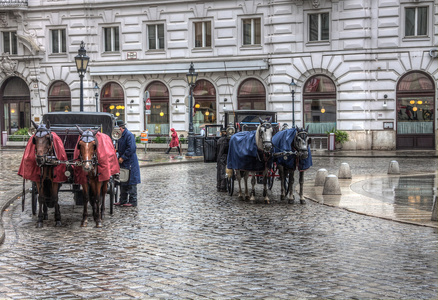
(230, 185)
(34, 198)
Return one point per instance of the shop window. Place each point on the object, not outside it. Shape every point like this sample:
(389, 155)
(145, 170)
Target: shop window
(319, 97)
(158, 120)
(205, 112)
(112, 100)
(251, 95)
(59, 97)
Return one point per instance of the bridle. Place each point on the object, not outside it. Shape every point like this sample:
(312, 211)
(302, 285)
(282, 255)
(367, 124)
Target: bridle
(303, 136)
(44, 132)
(88, 137)
(267, 143)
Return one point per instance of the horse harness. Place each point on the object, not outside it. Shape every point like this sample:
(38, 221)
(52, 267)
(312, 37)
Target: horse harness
(88, 137)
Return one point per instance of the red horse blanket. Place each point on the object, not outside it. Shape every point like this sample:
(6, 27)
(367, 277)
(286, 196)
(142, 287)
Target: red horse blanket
(108, 164)
(29, 169)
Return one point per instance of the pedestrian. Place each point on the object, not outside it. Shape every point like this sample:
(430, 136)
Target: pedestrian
(126, 150)
(174, 142)
(222, 153)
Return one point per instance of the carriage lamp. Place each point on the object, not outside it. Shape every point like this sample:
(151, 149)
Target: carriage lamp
(191, 80)
(292, 87)
(96, 95)
(81, 65)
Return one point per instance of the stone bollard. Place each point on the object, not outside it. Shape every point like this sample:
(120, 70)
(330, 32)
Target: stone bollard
(344, 171)
(393, 167)
(320, 177)
(331, 186)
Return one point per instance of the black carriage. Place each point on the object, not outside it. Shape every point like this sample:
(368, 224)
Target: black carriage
(64, 125)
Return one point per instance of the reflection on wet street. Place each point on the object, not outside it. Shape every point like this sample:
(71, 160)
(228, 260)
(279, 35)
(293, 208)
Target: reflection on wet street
(412, 191)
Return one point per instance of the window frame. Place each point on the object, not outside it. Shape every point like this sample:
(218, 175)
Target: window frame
(253, 31)
(115, 39)
(319, 25)
(62, 41)
(204, 34)
(157, 37)
(13, 40)
(416, 27)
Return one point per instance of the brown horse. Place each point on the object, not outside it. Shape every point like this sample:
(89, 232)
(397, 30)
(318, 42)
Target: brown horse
(47, 188)
(87, 146)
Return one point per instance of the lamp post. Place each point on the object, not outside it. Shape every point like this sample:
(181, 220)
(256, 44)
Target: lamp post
(81, 64)
(292, 87)
(191, 79)
(96, 95)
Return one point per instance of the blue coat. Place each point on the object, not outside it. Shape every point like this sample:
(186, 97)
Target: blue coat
(127, 151)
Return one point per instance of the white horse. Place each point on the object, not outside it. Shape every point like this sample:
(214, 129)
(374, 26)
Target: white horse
(300, 145)
(263, 140)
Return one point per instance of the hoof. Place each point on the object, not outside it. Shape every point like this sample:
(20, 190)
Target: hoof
(58, 224)
(46, 217)
(84, 224)
(39, 225)
(282, 197)
(291, 201)
(99, 225)
(303, 201)
(267, 201)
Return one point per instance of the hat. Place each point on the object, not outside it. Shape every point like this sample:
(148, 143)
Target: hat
(120, 123)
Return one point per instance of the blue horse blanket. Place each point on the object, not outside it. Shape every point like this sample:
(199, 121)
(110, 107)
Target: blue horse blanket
(243, 153)
(282, 141)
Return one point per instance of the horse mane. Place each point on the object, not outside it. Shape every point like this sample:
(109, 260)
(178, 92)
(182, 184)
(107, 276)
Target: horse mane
(258, 140)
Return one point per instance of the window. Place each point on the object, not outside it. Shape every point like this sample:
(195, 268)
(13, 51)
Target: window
(251, 95)
(319, 104)
(156, 37)
(202, 34)
(252, 31)
(58, 41)
(416, 21)
(205, 105)
(111, 39)
(10, 42)
(112, 100)
(59, 97)
(318, 27)
(158, 121)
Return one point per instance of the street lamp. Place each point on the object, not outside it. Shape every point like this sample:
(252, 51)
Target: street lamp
(191, 79)
(292, 87)
(96, 95)
(81, 64)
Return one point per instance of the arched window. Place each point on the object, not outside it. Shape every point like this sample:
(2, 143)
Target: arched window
(204, 95)
(415, 111)
(59, 97)
(112, 100)
(251, 95)
(158, 121)
(16, 105)
(319, 98)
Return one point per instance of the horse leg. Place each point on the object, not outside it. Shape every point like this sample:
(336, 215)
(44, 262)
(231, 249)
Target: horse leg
(282, 180)
(253, 182)
(265, 186)
(301, 180)
(103, 192)
(45, 211)
(97, 196)
(291, 197)
(40, 206)
(86, 198)
(239, 180)
(57, 208)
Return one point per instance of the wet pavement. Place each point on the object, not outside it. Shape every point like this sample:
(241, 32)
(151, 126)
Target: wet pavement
(187, 241)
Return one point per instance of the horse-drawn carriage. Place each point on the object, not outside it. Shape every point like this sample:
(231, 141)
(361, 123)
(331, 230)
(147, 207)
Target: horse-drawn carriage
(66, 130)
(258, 148)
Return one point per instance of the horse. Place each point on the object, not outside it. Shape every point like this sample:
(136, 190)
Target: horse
(297, 140)
(87, 146)
(45, 158)
(258, 159)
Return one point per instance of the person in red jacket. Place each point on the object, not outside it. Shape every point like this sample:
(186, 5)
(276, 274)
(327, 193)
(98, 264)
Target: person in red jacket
(174, 142)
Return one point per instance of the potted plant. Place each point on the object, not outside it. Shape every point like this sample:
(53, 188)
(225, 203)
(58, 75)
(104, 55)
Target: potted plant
(340, 137)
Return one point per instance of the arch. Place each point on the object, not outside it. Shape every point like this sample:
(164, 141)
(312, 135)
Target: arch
(112, 100)
(319, 97)
(15, 108)
(251, 95)
(415, 107)
(158, 120)
(59, 97)
(205, 111)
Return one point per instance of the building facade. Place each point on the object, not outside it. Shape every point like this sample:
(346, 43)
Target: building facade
(366, 67)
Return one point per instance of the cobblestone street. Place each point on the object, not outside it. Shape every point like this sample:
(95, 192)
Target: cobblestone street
(186, 241)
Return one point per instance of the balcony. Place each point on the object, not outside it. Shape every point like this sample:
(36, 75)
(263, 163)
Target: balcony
(13, 4)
